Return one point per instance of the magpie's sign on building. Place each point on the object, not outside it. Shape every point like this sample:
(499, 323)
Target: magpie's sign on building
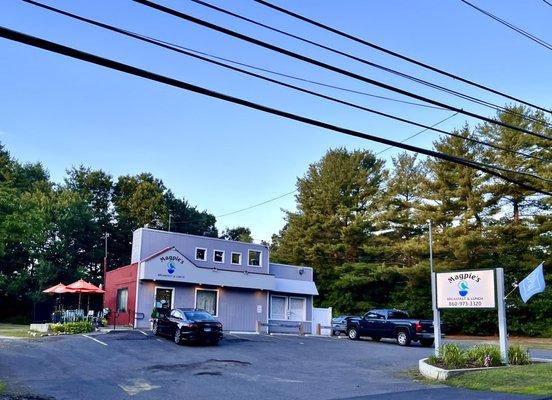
(466, 289)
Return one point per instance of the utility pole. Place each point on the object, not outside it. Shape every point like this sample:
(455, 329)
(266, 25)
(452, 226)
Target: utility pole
(105, 259)
(436, 313)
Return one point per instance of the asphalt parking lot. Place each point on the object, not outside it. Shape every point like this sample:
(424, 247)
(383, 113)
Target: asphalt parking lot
(137, 365)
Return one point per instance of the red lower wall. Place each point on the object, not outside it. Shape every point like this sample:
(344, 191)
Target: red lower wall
(121, 278)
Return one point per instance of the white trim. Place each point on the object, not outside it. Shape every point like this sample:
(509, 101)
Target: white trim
(232, 257)
(200, 259)
(164, 287)
(260, 258)
(207, 290)
(223, 254)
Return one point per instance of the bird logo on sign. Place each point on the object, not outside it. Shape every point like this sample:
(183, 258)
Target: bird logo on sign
(463, 286)
(171, 268)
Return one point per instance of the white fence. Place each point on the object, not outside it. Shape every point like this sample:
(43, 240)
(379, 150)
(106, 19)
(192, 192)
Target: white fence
(321, 317)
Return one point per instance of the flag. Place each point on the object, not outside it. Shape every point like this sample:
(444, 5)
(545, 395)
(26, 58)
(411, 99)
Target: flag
(532, 284)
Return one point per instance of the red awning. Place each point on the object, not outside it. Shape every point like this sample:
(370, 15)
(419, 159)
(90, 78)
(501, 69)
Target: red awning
(81, 286)
(58, 289)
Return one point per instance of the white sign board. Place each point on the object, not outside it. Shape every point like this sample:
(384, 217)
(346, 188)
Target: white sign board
(466, 289)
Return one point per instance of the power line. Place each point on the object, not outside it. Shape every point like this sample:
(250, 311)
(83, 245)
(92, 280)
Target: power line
(511, 26)
(131, 70)
(366, 62)
(190, 52)
(550, 4)
(418, 133)
(398, 55)
(141, 36)
(330, 67)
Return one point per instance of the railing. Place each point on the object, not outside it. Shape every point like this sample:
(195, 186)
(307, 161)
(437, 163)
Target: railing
(299, 325)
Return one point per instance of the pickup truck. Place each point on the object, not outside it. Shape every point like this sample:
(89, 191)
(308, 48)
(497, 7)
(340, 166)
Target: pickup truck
(395, 324)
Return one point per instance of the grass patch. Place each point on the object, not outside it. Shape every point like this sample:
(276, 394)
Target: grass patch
(533, 379)
(13, 330)
(2, 387)
(532, 343)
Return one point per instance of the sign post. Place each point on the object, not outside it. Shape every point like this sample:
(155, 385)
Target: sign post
(436, 313)
(502, 331)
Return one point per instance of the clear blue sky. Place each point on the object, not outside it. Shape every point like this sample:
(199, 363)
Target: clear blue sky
(223, 157)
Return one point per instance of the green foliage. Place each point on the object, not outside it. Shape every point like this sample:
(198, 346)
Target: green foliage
(452, 356)
(518, 355)
(239, 233)
(72, 327)
(476, 355)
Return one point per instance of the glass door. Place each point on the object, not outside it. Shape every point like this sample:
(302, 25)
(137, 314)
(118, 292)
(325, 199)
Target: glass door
(296, 310)
(163, 295)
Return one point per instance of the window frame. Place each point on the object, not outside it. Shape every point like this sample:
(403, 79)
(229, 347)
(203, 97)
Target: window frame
(164, 287)
(285, 307)
(239, 253)
(260, 258)
(208, 290)
(223, 256)
(117, 305)
(201, 259)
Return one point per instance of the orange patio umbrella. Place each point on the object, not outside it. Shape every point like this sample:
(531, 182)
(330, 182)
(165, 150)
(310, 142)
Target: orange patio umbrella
(58, 289)
(81, 286)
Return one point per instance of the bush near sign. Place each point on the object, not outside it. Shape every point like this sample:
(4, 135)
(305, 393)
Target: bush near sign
(466, 289)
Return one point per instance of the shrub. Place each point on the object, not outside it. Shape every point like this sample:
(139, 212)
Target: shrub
(518, 355)
(452, 356)
(477, 354)
(72, 327)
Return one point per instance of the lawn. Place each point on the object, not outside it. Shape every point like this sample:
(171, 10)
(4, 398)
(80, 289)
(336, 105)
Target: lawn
(533, 379)
(532, 343)
(13, 330)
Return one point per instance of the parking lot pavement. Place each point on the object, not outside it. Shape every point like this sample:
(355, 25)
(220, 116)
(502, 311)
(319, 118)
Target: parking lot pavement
(122, 364)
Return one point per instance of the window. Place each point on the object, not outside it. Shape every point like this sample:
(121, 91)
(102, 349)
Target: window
(218, 256)
(176, 314)
(122, 299)
(398, 315)
(164, 296)
(207, 300)
(254, 258)
(278, 307)
(288, 308)
(236, 258)
(201, 254)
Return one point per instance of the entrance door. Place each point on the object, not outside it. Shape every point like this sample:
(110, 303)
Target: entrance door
(164, 294)
(296, 310)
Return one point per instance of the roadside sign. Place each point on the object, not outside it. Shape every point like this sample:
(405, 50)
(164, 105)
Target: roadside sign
(466, 289)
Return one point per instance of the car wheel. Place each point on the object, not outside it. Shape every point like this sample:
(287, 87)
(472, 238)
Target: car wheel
(177, 337)
(376, 338)
(155, 329)
(426, 342)
(352, 333)
(403, 338)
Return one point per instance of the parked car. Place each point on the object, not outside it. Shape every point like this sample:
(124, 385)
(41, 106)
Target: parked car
(188, 324)
(393, 323)
(339, 324)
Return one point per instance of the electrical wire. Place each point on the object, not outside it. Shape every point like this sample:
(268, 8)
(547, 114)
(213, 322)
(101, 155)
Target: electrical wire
(396, 54)
(131, 70)
(511, 26)
(190, 52)
(547, 2)
(366, 62)
(321, 64)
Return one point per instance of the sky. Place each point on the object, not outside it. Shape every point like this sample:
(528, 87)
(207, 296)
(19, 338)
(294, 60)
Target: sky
(223, 157)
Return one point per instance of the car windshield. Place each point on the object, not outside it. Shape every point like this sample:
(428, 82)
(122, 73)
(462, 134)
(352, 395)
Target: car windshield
(398, 315)
(198, 315)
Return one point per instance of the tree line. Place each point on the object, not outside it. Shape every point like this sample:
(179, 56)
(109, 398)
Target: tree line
(364, 227)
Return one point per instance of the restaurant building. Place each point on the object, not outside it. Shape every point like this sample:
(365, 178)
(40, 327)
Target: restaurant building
(234, 281)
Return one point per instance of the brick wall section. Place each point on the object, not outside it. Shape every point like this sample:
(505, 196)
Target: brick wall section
(120, 278)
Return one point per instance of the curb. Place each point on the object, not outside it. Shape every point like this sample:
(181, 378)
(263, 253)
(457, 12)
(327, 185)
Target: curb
(440, 374)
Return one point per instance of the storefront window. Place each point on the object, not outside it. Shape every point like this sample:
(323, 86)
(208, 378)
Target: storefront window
(207, 300)
(122, 300)
(163, 295)
(278, 307)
